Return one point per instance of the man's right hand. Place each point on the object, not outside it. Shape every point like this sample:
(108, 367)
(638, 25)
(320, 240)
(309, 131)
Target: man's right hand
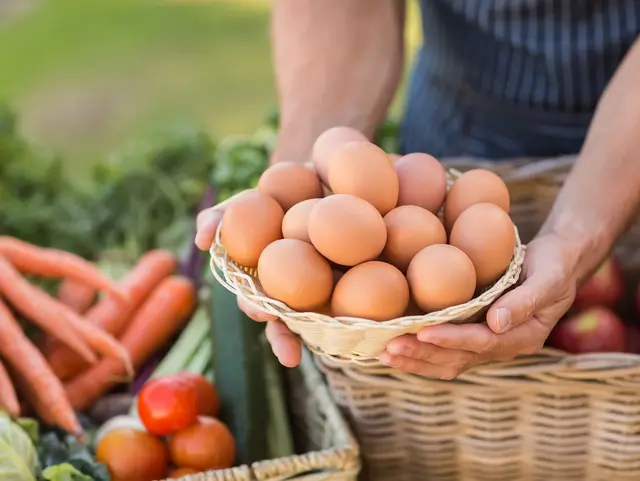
(284, 344)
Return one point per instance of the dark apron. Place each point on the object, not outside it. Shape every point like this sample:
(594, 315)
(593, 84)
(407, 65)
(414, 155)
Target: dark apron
(513, 78)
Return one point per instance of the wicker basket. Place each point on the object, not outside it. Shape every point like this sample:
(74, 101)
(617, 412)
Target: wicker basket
(352, 339)
(547, 417)
(331, 451)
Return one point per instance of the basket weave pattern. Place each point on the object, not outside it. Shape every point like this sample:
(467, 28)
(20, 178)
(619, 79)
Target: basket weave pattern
(350, 339)
(547, 417)
(331, 452)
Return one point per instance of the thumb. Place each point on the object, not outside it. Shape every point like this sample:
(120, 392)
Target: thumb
(520, 304)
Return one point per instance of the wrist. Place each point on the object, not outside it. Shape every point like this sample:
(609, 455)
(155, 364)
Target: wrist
(587, 243)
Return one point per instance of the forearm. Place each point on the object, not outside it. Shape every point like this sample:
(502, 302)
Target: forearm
(602, 193)
(336, 64)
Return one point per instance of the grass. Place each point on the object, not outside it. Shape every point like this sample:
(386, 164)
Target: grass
(89, 76)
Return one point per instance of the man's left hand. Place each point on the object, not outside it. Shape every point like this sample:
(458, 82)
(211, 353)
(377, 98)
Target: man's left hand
(517, 323)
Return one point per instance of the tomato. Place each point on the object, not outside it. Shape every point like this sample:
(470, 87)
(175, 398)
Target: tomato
(168, 404)
(207, 444)
(133, 455)
(208, 400)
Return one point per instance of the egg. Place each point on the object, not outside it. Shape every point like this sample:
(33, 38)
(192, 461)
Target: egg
(347, 230)
(423, 181)
(473, 187)
(295, 224)
(364, 170)
(441, 276)
(292, 271)
(486, 233)
(326, 144)
(410, 229)
(372, 290)
(250, 224)
(289, 183)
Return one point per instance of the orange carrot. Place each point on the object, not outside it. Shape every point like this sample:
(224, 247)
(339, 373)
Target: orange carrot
(29, 363)
(79, 297)
(76, 295)
(40, 308)
(31, 259)
(161, 316)
(111, 315)
(8, 397)
(101, 341)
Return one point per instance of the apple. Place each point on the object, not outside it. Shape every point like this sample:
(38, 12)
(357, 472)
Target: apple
(597, 329)
(604, 288)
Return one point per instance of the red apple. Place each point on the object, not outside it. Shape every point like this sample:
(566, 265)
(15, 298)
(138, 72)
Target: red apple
(604, 288)
(597, 329)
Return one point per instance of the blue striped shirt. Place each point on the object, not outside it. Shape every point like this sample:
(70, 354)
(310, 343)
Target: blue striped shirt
(510, 78)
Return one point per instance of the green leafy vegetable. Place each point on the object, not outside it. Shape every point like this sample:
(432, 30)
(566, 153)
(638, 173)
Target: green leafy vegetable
(56, 449)
(64, 472)
(18, 458)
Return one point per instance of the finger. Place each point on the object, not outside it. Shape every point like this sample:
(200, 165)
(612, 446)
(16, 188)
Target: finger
(526, 338)
(521, 304)
(285, 345)
(254, 313)
(410, 346)
(206, 225)
(422, 368)
(476, 338)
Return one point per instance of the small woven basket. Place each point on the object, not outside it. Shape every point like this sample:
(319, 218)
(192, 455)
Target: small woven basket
(330, 450)
(353, 339)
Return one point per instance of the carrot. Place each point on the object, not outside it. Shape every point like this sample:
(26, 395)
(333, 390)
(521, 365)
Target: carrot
(31, 259)
(45, 388)
(40, 308)
(8, 397)
(161, 316)
(79, 297)
(76, 295)
(112, 316)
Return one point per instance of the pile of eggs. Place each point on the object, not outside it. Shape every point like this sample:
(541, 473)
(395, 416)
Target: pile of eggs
(374, 247)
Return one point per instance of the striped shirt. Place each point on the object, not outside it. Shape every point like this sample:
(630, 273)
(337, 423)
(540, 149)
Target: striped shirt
(510, 78)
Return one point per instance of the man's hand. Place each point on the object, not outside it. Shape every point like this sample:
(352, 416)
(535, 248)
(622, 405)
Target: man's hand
(518, 323)
(285, 345)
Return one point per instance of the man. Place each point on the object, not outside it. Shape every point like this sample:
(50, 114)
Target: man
(494, 79)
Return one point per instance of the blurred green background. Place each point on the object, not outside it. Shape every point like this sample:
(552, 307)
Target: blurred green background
(86, 77)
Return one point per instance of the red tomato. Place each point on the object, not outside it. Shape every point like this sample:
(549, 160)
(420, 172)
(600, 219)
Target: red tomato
(208, 400)
(168, 404)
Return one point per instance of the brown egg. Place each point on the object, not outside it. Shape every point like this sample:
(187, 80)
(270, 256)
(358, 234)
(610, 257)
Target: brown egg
(289, 183)
(410, 229)
(326, 144)
(423, 181)
(473, 187)
(250, 224)
(292, 271)
(373, 290)
(366, 171)
(486, 234)
(347, 230)
(296, 220)
(441, 276)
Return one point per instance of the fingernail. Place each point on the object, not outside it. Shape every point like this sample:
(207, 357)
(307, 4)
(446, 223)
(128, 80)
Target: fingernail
(263, 316)
(503, 318)
(400, 350)
(389, 360)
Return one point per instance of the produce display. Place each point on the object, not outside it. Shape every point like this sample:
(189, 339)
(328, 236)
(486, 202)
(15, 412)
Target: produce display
(605, 316)
(359, 234)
